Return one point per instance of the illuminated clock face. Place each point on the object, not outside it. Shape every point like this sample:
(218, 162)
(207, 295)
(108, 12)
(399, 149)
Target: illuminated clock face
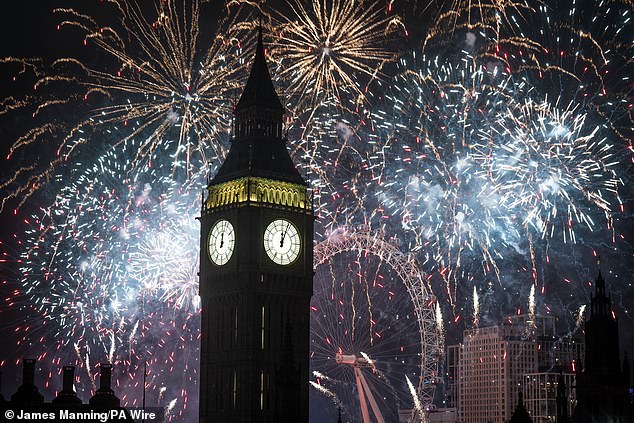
(222, 240)
(282, 242)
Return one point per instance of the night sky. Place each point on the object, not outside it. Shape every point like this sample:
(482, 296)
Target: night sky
(28, 30)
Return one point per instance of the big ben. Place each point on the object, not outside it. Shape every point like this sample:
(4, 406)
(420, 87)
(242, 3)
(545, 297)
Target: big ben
(256, 270)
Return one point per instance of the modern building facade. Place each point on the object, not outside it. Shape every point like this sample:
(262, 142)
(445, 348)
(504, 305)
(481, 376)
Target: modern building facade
(541, 392)
(256, 270)
(495, 364)
(492, 363)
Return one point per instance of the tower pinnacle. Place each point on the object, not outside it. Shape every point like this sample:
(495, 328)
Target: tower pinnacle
(258, 147)
(259, 90)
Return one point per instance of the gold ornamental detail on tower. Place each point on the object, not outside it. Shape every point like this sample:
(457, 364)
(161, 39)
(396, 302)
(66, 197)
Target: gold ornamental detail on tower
(257, 190)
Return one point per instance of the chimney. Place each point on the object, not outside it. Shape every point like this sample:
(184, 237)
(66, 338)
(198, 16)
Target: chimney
(28, 371)
(105, 397)
(105, 378)
(67, 395)
(67, 381)
(28, 393)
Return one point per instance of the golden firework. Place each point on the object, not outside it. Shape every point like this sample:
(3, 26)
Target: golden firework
(325, 48)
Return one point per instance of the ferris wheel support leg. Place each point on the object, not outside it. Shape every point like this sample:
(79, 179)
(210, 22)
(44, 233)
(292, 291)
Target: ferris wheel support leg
(373, 404)
(364, 405)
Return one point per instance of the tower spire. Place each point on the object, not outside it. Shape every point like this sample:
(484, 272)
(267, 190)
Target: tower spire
(601, 304)
(258, 146)
(600, 284)
(259, 90)
(561, 400)
(260, 30)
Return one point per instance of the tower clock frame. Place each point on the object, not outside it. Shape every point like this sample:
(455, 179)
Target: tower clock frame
(256, 270)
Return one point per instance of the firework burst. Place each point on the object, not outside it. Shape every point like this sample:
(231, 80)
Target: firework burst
(487, 165)
(325, 46)
(498, 140)
(551, 162)
(112, 264)
(162, 84)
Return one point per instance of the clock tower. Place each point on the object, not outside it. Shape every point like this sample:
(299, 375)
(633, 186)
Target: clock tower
(256, 270)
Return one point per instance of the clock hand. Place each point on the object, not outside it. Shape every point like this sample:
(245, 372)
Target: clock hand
(222, 239)
(284, 234)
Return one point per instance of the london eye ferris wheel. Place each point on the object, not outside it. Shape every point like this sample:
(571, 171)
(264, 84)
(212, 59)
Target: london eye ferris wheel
(374, 340)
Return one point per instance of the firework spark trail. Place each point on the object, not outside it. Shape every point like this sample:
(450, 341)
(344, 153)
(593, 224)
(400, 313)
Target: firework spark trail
(170, 406)
(89, 369)
(440, 327)
(581, 313)
(476, 308)
(375, 369)
(168, 83)
(320, 375)
(531, 306)
(113, 347)
(417, 404)
(131, 339)
(324, 391)
(161, 392)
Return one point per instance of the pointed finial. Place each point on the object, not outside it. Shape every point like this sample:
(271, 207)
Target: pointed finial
(600, 283)
(259, 90)
(260, 29)
(561, 382)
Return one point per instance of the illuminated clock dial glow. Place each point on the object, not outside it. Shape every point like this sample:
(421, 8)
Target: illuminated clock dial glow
(282, 242)
(222, 240)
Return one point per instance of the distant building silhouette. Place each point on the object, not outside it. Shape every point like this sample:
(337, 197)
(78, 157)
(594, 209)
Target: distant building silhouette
(602, 384)
(546, 392)
(562, 400)
(452, 363)
(28, 398)
(105, 397)
(520, 415)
